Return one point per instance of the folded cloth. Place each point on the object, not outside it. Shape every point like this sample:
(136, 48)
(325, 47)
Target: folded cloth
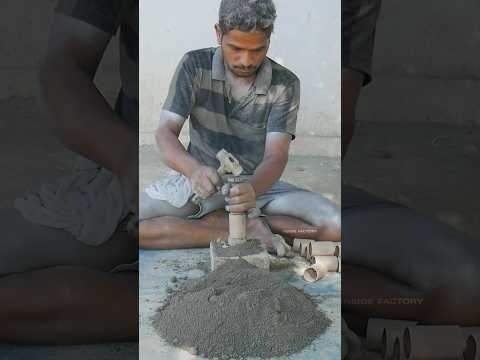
(89, 203)
(175, 188)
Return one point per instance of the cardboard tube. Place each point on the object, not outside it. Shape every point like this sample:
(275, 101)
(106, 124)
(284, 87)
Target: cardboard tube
(315, 272)
(304, 250)
(391, 333)
(433, 342)
(375, 329)
(339, 264)
(396, 350)
(298, 242)
(330, 262)
(322, 248)
(472, 347)
(237, 228)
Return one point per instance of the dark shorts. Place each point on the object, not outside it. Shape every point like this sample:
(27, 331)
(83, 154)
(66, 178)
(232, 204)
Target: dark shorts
(359, 19)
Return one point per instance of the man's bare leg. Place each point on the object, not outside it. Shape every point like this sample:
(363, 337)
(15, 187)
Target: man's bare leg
(68, 305)
(399, 253)
(174, 233)
(26, 246)
(290, 227)
(169, 232)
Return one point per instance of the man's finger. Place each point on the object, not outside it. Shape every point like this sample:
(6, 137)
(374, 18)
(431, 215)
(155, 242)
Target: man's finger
(207, 187)
(236, 200)
(213, 176)
(240, 208)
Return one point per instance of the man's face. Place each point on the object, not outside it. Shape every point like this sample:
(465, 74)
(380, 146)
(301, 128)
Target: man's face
(243, 52)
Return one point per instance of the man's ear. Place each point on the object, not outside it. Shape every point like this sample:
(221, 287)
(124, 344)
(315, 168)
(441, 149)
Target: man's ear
(219, 34)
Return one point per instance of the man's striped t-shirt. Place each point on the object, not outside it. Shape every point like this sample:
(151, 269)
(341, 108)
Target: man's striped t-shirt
(197, 91)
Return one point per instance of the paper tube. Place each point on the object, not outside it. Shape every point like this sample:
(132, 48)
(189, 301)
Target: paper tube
(375, 329)
(237, 228)
(472, 350)
(304, 250)
(392, 332)
(433, 342)
(467, 331)
(298, 242)
(396, 350)
(323, 248)
(330, 262)
(315, 273)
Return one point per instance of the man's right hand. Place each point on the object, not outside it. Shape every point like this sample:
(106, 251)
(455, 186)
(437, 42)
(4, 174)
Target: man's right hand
(204, 180)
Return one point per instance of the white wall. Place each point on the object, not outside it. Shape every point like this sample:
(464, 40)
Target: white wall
(306, 40)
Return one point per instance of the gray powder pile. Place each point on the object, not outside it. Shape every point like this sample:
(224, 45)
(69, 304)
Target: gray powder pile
(240, 311)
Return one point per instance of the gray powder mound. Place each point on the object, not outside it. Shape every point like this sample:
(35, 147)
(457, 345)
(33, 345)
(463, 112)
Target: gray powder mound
(249, 247)
(240, 311)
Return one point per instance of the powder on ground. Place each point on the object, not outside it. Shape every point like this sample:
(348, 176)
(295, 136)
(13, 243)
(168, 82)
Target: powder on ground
(240, 311)
(249, 247)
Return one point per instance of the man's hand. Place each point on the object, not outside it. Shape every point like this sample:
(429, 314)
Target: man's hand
(241, 198)
(204, 180)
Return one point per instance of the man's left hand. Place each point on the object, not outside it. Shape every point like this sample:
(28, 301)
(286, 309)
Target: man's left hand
(241, 198)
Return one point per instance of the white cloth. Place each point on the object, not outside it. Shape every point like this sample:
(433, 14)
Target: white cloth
(89, 203)
(174, 188)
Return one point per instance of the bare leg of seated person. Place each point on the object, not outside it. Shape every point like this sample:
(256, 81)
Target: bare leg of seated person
(317, 219)
(168, 232)
(53, 287)
(68, 305)
(408, 266)
(29, 246)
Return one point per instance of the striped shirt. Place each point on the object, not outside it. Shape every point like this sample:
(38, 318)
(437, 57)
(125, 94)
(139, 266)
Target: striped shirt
(198, 92)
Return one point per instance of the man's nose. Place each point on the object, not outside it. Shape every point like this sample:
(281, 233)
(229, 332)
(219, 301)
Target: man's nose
(247, 60)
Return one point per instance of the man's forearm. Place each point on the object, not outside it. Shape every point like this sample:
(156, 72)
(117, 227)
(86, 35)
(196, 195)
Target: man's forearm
(267, 173)
(174, 154)
(82, 118)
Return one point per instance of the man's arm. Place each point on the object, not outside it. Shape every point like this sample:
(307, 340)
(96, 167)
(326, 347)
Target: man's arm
(80, 116)
(243, 196)
(274, 161)
(172, 152)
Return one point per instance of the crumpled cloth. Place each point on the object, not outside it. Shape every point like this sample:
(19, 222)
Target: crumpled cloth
(175, 188)
(90, 203)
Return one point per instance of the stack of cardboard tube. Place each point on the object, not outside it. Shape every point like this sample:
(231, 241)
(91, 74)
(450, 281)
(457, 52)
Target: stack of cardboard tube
(400, 340)
(325, 256)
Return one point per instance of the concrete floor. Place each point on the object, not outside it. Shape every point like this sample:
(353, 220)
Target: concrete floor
(433, 168)
(157, 267)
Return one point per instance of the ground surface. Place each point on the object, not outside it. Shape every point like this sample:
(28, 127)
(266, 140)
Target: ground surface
(433, 168)
(157, 267)
(313, 173)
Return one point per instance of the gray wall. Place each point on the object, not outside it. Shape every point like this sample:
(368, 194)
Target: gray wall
(426, 64)
(306, 40)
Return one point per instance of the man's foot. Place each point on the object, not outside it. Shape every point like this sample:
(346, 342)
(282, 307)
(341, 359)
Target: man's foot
(275, 244)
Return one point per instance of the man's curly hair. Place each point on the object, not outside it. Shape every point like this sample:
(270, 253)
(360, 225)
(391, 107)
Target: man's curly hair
(247, 15)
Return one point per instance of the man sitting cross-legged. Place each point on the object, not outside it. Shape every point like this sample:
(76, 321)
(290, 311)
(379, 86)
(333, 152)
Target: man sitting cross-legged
(239, 100)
